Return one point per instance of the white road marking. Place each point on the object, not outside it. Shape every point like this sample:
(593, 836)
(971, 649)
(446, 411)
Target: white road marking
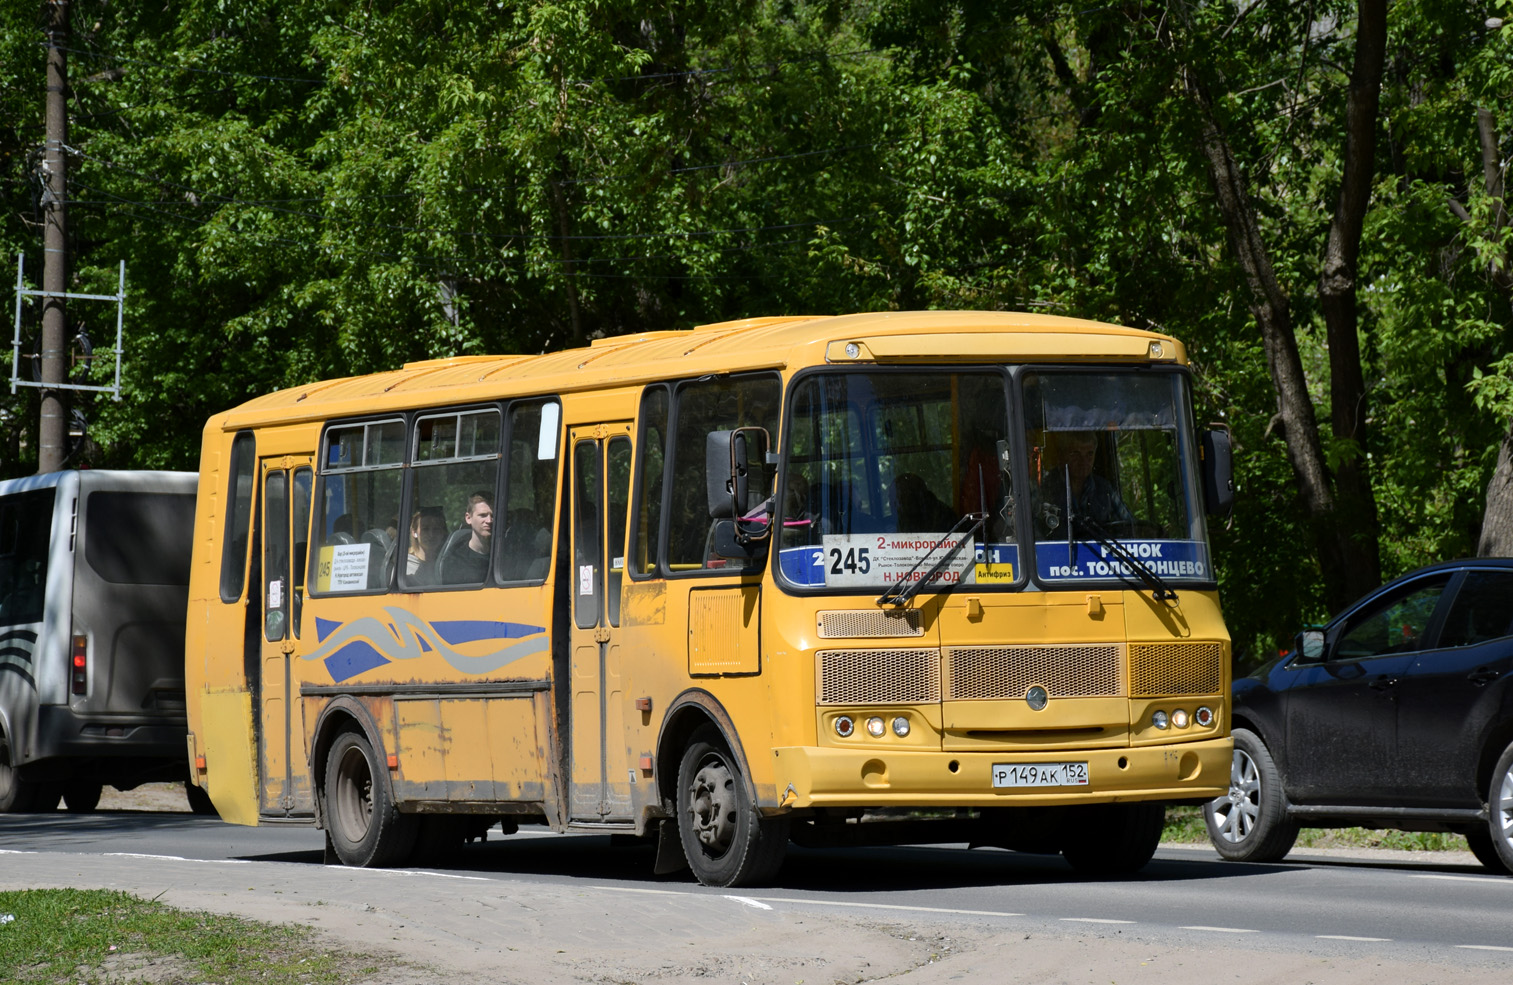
(1346, 937)
(1091, 920)
(1482, 947)
(1487, 880)
(1223, 930)
(889, 906)
(748, 901)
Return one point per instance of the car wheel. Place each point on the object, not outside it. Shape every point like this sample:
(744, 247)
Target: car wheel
(1500, 814)
(1250, 824)
(726, 840)
(17, 796)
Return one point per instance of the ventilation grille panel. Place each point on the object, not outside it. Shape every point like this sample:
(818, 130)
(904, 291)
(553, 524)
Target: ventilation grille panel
(1172, 669)
(998, 672)
(869, 624)
(862, 677)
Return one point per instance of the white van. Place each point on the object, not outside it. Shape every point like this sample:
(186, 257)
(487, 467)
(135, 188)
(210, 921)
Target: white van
(94, 586)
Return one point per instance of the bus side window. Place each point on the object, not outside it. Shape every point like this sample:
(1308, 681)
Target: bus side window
(645, 532)
(455, 472)
(530, 506)
(239, 495)
(357, 500)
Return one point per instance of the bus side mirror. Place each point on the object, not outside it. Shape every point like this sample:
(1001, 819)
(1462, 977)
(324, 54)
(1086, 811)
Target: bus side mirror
(735, 472)
(1218, 472)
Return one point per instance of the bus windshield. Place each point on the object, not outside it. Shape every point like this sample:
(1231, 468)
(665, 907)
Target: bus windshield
(885, 473)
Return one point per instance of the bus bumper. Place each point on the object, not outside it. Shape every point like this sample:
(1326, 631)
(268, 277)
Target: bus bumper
(815, 776)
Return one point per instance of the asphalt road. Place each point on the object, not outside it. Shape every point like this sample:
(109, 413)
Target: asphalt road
(1448, 911)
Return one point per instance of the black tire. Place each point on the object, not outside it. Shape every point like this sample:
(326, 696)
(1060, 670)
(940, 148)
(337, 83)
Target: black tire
(365, 827)
(1499, 844)
(725, 838)
(17, 796)
(1479, 840)
(1114, 839)
(199, 799)
(1250, 823)
(81, 797)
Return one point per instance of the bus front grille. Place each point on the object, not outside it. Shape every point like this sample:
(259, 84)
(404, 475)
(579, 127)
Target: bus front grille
(977, 673)
(878, 677)
(1168, 669)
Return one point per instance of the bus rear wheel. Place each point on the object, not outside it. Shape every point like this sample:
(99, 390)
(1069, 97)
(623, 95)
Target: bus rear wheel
(725, 838)
(365, 827)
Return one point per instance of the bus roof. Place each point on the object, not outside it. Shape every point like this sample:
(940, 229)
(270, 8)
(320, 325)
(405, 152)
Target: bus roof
(727, 347)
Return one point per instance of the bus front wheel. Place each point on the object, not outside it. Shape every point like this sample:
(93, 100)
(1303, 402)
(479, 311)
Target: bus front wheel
(365, 826)
(1114, 839)
(726, 840)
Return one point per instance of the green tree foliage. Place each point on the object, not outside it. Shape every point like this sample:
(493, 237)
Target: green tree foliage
(303, 191)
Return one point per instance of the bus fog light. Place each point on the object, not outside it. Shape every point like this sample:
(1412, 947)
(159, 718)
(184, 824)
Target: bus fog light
(1204, 716)
(1179, 718)
(844, 726)
(1158, 719)
(875, 727)
(900, 726)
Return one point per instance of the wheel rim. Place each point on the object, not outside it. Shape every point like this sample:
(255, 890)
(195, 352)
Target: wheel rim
(1235, 815)
(1502, 809)
(712, 806)
(353, 810)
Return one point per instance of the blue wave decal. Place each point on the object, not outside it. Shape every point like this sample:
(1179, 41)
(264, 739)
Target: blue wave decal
(469, 631)
(354, 648)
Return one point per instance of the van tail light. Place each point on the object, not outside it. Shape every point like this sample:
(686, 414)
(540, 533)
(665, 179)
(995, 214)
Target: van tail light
(79, 666)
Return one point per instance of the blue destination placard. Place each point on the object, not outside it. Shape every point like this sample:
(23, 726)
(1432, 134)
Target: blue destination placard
(1060, 561)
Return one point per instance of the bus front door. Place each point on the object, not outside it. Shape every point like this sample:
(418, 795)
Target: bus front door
(284, 791)
(600, 766)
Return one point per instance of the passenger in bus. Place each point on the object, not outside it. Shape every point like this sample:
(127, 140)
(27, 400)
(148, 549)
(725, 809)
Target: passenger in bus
(428, 534)
(465, 561)
(1071, 456)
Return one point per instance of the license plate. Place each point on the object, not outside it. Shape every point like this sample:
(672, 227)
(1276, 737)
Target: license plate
(1040, 774)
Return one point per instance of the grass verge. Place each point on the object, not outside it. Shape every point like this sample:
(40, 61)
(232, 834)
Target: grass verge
(72, 936)
(1184, 825)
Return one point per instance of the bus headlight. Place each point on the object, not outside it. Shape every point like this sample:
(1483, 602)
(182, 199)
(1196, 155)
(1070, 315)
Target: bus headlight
(1158, 719)
(901, 727)
(875, 727)
(1179, 718)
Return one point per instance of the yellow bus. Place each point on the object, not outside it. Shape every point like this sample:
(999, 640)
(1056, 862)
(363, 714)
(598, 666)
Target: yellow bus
(893, 577)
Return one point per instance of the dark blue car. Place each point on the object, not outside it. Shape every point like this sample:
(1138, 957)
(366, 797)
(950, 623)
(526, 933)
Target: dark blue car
(1398, 714)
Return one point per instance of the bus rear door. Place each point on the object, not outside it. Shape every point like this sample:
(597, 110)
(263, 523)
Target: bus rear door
(283, 790)
(600, 768)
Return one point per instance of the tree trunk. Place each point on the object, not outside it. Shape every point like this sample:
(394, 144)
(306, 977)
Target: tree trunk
(1273, 314)
(1355, 522)
(1497, 523)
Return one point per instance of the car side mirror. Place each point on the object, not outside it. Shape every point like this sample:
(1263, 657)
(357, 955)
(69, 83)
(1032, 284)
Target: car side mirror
(1218, 472)
(1309, 644)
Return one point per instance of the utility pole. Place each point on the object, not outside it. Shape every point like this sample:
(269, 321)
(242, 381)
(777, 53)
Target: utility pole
(52, 432)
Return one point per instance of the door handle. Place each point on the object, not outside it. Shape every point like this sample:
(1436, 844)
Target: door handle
(1482, 675)
(1384, 683)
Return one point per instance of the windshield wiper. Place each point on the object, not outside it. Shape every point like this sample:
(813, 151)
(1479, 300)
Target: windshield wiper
(907, 587)
(1160, 590)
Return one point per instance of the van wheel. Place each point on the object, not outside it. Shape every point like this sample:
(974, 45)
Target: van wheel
(1499, 816)
(1250, 824)
(1114, 839)
(81, 797)
(366, 828)
(726, 840)
(16, 795)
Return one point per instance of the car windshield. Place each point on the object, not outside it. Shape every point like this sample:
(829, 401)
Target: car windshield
(885, 472)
